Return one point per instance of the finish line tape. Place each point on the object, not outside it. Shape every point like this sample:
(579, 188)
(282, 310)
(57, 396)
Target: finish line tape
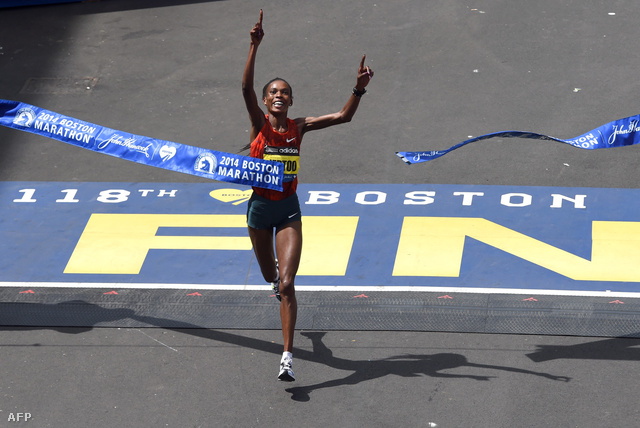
(168, 155)
(619, 133)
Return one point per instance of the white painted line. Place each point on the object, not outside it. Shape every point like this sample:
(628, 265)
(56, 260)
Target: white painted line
(303, 288)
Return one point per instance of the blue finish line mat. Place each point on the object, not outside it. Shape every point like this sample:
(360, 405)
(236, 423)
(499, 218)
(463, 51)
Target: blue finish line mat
(541, 260)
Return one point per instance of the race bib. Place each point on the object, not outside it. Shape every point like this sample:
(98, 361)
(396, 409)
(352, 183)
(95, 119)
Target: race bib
(289, 156)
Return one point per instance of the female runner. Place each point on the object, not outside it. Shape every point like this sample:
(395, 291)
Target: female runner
(276, 137)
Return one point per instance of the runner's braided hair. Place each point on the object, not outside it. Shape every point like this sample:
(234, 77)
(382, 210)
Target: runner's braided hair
(275, 79)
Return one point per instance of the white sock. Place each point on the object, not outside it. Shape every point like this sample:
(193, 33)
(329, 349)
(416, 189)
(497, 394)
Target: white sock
(286, 355)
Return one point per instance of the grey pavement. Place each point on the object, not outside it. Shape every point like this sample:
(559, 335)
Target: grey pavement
(445, 70)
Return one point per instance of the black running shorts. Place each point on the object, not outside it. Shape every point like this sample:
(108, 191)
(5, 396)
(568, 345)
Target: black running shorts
(264, 213)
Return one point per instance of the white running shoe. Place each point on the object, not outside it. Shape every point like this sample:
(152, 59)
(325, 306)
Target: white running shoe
(286, 370)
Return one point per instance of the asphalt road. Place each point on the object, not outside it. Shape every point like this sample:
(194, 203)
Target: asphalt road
(444, 70)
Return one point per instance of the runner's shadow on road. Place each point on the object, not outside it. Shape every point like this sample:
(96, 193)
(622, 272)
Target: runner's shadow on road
(70, 317)
(407, 365)
(619, 349)
(78, 316)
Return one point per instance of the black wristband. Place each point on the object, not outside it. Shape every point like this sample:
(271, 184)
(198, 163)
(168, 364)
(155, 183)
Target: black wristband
(358, 93)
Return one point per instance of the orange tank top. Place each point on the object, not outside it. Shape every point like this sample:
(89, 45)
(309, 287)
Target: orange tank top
(280, 147)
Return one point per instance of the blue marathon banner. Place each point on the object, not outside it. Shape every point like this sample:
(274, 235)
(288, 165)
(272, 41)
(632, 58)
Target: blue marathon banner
(177, 157)
(619, 133)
